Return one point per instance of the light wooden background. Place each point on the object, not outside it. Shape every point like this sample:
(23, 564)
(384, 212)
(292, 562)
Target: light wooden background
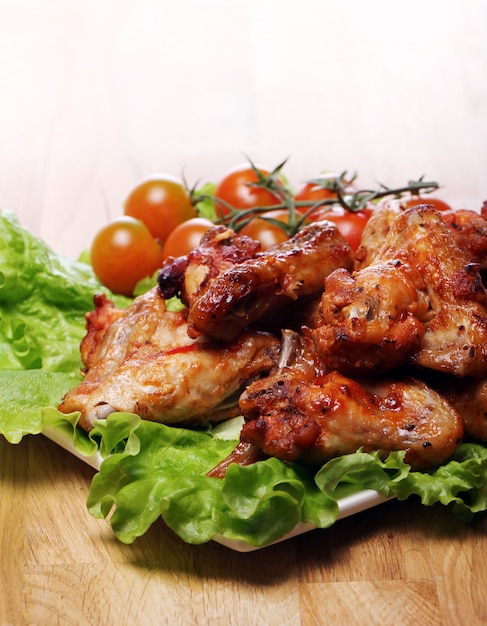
(95, 95)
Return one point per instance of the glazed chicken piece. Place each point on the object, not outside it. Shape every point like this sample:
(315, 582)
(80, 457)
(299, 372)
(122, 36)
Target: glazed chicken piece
(147, 364)
(191, 275)
(469, 397)
(375, 232)
(470, 232)
(312, 421)
(372, 321)
(304, 412)
(468, 228)
(258, 288)
(420, 301)
(104, 314)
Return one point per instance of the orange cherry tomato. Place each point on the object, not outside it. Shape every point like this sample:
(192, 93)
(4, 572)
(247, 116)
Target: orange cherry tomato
(267, 233)
(162, 203)
(124, 252)
(439, 205)
(312, 192)
(237, 189)
(185, 237)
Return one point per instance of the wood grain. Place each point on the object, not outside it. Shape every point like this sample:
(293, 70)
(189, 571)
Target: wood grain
(96, 95)
(397, 563)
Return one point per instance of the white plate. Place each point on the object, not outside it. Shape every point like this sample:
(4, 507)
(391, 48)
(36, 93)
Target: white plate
(348, 505)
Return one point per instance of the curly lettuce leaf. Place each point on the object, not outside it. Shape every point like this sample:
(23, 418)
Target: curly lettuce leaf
(66, 427)
(140, 480)
(206, 207)
(43, 299)
(22, 394)
(461, 482)
(163, 475)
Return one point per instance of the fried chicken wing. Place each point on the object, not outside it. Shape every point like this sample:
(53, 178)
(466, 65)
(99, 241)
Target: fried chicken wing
(191, 275)
(312, 421)
(147, 364)
(469, 397)
(375, 232)
(468, 228)
(259, 287)
(372, 321)
(97, 321)
(420, 301)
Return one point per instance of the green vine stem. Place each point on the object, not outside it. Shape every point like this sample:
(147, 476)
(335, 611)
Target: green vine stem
(341, 186)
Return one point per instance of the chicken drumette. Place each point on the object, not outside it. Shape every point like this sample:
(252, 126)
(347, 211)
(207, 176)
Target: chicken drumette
(468, 228)
(314, 421)
(420, 301)
(259, 287)
(302, 412)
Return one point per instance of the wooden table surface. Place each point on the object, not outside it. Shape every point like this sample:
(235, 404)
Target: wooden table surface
(96, 95)
(400, 563)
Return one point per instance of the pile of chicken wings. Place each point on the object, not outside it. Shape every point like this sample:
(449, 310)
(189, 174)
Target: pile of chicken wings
(323, 350)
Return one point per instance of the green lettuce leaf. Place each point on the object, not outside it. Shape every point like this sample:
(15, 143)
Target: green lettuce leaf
(23, 394)
(461, 482)
(43, 299)
(163, 475)
(66, 426)
(205, 207)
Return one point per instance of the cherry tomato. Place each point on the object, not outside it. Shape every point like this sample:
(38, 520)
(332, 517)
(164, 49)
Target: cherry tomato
(311, 193)
(236, 189)
(185, 237)
(124, 252)
(439, 205)
(350, 225)
(267, 233)
(162, 203)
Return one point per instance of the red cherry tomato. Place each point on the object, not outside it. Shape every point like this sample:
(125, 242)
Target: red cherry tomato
(162, 203)
(124, 252)
(439, 205)
(350, 225)
(267, 233)
(310, 193)
(185, 237)
(236, 189)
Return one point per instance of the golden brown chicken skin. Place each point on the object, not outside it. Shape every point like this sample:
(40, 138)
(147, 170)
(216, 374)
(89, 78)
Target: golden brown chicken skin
(469, 397)
(312, 421)
(148, 365)
(191, 275)
(420, 301)
(467, 227)
(375, 232)
(372, 321)
(97, 323)
(260, 287)
(469, 230)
